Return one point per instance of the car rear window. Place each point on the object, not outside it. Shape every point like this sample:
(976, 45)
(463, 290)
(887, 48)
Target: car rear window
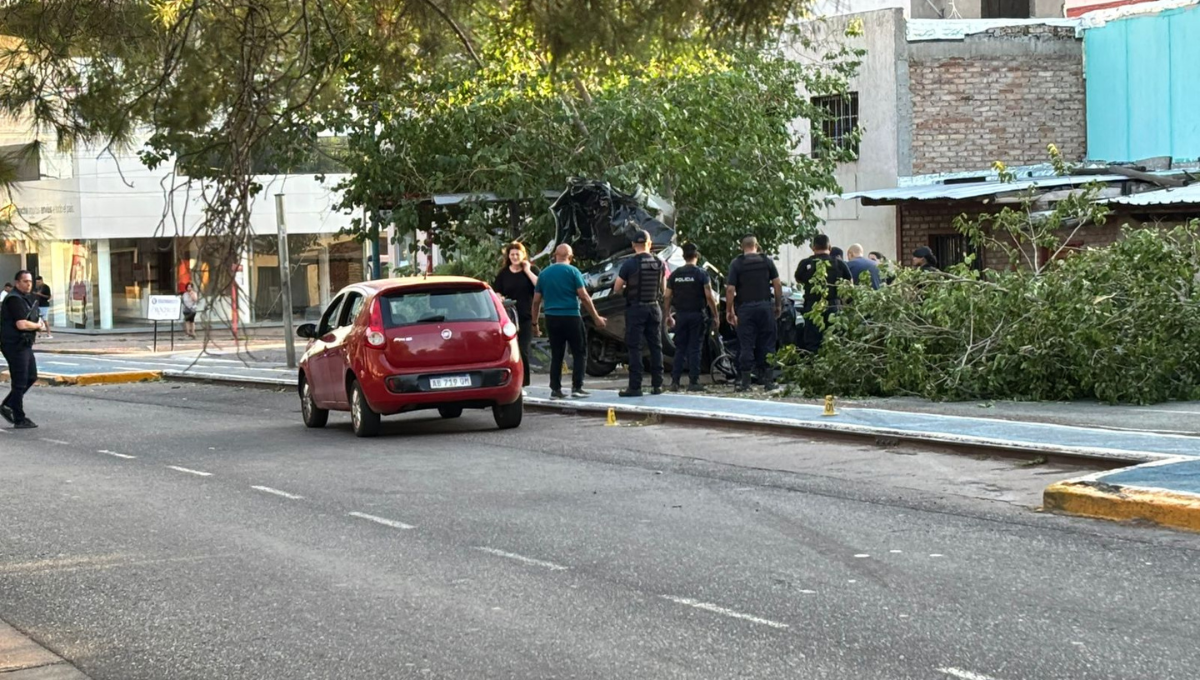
(438, 306)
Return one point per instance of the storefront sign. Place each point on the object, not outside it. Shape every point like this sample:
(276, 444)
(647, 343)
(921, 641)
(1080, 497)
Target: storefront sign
(165, 307)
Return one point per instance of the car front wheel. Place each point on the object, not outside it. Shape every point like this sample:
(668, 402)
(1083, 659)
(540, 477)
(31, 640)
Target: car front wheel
(364, 420)
(509, 416)
(313, 416)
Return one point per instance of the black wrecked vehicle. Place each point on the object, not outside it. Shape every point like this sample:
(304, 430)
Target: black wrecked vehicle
(599, 222)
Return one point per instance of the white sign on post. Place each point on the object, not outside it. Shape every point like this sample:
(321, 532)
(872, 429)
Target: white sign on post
(165, 307)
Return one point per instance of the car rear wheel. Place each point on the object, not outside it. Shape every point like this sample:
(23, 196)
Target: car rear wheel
(509, 416)
(364, 420)
(313, 416)
(450, 411)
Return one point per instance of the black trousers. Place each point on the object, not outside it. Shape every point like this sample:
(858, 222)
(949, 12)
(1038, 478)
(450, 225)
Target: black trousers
(756, 336)
(643, 323)
(22, 369)
(689, 341)
(524, 342)
(566, 331)
(812, 337)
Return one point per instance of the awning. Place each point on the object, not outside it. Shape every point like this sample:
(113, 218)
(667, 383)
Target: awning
(1161, 197)
(966, 191)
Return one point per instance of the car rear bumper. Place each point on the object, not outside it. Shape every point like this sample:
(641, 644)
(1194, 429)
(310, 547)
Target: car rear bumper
(497, 385)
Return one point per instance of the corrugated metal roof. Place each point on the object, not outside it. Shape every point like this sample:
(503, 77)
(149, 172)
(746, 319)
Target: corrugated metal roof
(968, 190)
(921, 30)
(1181, 195)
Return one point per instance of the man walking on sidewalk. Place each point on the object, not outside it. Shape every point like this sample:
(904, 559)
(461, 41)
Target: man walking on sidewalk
(41, 293)
(688, 292)
(748, 308)
(641, 280)
(19, 324)
(562, 288)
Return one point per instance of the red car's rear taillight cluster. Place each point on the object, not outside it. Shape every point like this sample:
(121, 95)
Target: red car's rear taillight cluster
(375, 336)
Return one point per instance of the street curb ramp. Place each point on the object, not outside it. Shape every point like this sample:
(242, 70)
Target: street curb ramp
(1093, 496)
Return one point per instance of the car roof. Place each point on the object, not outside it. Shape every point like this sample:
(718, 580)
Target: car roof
(400, 282)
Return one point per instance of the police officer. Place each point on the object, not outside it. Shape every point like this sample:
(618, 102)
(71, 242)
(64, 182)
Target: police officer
(641, 280)
(748, 308)
(688, 292)
(836, 273)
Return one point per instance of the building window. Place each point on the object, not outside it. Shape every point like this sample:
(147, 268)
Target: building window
(952, 249)
(1005, 9)
(836, 128)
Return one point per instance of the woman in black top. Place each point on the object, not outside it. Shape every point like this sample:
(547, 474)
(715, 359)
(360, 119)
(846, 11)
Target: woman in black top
(516, 282)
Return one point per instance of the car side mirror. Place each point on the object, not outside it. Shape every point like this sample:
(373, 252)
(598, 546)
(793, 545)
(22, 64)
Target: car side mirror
(307, 330)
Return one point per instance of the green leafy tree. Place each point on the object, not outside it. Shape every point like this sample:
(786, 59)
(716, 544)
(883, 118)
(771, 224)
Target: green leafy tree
(712, 130)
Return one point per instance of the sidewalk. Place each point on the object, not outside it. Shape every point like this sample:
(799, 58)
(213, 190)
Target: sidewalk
(23, 659)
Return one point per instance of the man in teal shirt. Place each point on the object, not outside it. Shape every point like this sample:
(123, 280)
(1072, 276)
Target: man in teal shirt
(562, 289)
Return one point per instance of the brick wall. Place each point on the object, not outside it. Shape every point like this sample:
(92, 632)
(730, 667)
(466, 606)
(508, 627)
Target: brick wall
(1001, 95)
(921, 223)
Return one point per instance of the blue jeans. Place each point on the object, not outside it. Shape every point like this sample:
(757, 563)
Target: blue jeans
(689, 340)
(756, 336)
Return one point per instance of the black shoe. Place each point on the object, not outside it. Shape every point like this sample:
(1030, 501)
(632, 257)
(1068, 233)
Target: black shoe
(743, 384)
(25, 424)
(580, 393)
(557, 394)
(675, 386)
(630, 392)
(695, 387)
(770, 386)
(7, 413)
(657, 390)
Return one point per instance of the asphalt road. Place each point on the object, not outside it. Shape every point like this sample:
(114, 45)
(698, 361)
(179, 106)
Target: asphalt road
(165, 531)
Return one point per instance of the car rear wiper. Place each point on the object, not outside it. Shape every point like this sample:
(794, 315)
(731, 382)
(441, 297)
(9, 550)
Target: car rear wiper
(433, 318)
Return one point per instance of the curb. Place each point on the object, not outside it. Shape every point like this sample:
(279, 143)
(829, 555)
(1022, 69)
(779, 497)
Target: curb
(1107, 457)
(22, 658)
(60, 380)
(1094, 498)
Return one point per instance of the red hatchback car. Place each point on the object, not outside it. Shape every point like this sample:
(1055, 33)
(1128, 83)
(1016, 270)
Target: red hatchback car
(398, 345)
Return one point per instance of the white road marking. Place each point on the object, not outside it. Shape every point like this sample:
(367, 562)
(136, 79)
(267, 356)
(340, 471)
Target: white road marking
(60, 363)
(521, 558)
(114, 453)
(936, 555)
(190, 471)
(277, 492)
(723, 611)
(862, 555)
(895, 552)
(964, 675)
(56, 441)
(380, 520)
(809, 592)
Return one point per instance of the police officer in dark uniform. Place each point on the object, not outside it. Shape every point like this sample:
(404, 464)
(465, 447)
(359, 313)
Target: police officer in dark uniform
(641, 280)
(19, 325)
(750, 308)
(837, 272)
(689, 292)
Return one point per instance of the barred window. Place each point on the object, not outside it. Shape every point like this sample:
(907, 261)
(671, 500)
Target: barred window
(952, 249)
(837, 127)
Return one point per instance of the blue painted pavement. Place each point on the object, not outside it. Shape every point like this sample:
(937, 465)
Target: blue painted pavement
(958, 430)
(1180, 477)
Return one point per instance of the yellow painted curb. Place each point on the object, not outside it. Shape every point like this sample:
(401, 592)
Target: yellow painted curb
(56, 379)
(1119, 503)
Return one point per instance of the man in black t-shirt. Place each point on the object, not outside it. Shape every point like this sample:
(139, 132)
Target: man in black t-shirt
(689, 292)
(752, 290)
(19, 324)
(836, 273)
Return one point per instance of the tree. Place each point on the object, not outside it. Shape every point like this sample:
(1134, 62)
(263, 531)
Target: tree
(217, 86)
(712, 129)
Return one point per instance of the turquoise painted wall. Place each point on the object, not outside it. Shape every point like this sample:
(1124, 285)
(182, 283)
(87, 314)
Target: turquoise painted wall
(1143, 87)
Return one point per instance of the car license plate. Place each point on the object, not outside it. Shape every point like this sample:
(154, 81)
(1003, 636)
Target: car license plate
(450, 382)
(601, 293)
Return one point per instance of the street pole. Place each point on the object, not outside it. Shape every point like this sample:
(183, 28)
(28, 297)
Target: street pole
(285, 275)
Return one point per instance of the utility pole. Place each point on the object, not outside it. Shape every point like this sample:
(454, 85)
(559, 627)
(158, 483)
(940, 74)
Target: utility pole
(285, 275)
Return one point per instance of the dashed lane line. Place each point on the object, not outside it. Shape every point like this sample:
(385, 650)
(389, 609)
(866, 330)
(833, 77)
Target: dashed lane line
(964, 675)
(277, 492)
(382, 520)
(114, 454)
(717, 609)
(56, 441)
(198, 473)
(523, 559)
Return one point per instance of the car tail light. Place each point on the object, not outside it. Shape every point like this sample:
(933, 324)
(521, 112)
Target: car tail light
(509, 329)
(375, 336)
